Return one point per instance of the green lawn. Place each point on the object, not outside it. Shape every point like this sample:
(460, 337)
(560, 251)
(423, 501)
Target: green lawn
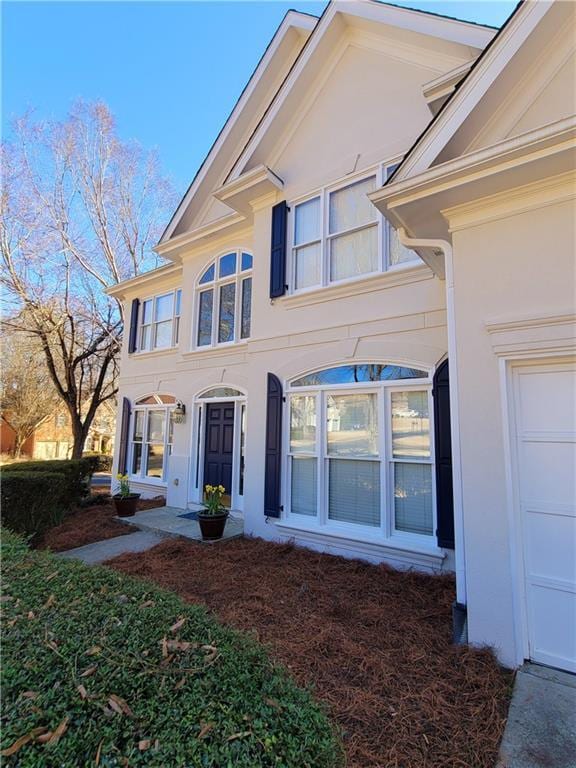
(103, 669)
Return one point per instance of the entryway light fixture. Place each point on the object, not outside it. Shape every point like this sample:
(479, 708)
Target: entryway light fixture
(179, 413)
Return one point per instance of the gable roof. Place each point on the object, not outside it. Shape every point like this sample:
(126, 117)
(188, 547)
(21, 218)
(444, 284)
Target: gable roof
(293, 22)
(361, 12)
(469, 92)
(312, 31)
(447, 169)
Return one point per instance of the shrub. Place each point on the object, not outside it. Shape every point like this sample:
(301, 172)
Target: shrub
(33, 502)
(102, 461)
(78, 471)
(121, 672)
(35, 495)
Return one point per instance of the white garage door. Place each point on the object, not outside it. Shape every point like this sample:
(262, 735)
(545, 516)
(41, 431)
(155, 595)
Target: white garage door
(546, 450)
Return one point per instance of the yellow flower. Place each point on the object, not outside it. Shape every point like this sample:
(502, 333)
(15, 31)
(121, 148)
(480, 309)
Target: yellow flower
(221, 488)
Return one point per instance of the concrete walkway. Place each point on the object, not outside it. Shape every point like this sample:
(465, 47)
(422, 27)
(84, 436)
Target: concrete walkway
(100, 551)
(173, 521)
(541, 727)
(155, 525)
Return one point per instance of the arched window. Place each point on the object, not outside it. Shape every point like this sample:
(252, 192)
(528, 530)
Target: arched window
(360, 450)
(224, 300)
(151, 437)
(220, 392)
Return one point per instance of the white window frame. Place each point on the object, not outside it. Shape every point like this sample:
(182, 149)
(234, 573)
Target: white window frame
(175, 320)
(237, 279)
(142, 477)
(380, 171)
(386, 532)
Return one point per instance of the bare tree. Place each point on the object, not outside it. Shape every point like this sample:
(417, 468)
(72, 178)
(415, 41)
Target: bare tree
(27, 395)
(80, 211)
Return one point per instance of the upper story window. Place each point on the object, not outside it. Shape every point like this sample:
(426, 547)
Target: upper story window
(160, 321)
(224, 300)
(338, 235)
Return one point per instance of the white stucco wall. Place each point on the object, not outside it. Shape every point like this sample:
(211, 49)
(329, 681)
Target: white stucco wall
(513, 267)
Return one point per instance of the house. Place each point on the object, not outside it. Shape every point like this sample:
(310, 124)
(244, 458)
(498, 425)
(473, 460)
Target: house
(53, 438)
(365, 326)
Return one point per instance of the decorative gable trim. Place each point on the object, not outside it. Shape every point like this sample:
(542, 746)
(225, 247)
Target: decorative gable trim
(340, 16)
(481, 76)
(239, 194)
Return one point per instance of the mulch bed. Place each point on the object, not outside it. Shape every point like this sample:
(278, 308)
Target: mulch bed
(374, 644)
(85, 525)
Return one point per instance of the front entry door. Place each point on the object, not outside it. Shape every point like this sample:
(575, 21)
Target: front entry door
(219, 447)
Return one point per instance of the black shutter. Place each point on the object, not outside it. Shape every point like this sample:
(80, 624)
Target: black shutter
(443, 440)
(273, 460)
(278, 250)
(124, 427)
(132, 341)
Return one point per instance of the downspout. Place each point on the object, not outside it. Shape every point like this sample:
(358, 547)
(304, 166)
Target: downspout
(443, 246)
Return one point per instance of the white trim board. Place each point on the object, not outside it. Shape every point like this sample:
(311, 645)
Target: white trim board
(481, 77)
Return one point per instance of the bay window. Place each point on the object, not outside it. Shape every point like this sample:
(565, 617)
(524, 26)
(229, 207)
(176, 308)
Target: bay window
(338, 235)
(160, 321)
(359, 450)
(151, 437)
(224, 301)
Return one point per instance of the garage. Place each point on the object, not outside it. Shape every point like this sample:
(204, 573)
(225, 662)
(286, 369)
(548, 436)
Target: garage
(545, 468)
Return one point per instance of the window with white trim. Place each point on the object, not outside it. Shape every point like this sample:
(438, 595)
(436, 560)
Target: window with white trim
(359, 450)
(339, 235)
(224, 301)
(151, 437)
(160, 321)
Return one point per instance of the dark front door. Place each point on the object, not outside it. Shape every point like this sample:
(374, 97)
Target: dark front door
(219, 447)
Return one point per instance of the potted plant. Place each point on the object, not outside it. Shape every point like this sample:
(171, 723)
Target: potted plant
(124, 501)
(213, 518)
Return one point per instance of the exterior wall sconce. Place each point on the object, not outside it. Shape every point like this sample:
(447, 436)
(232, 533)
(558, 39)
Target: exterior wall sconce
(179, 413)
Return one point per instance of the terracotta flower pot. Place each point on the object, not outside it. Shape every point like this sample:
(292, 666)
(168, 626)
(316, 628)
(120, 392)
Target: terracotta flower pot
(212, 526)
(126, 506)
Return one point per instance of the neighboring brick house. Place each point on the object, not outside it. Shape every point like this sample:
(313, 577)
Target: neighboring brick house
(53, 438)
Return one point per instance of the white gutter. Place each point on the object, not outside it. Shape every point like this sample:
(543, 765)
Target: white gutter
(438, 247)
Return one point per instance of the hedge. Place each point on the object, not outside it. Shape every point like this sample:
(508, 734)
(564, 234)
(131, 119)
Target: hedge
(104, 669)
(35, 495)
(33, 502)
(102, 461)
(81, 468)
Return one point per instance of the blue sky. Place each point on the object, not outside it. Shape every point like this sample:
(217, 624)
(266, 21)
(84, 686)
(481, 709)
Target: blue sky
(170, 71)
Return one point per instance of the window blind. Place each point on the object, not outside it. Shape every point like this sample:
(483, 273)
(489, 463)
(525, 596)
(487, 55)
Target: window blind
(354, 491)
(413, 498)
(304, 486)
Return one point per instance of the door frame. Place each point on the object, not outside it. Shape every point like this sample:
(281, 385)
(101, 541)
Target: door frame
(198, 444)
(510, 369)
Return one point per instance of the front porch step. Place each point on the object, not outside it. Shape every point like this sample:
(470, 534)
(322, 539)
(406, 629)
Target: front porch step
(169, 520)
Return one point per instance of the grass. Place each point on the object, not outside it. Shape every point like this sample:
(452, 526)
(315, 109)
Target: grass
(102, 669)
(374, 643)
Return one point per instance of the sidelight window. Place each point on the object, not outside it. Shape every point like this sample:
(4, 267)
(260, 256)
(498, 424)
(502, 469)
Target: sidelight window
(151, 437)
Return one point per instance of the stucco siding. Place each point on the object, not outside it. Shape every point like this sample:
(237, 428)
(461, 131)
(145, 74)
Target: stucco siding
(515, 267)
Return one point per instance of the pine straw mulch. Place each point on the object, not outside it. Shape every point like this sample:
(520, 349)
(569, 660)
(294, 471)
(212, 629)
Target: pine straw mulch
(374, 643)
(85, 525)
